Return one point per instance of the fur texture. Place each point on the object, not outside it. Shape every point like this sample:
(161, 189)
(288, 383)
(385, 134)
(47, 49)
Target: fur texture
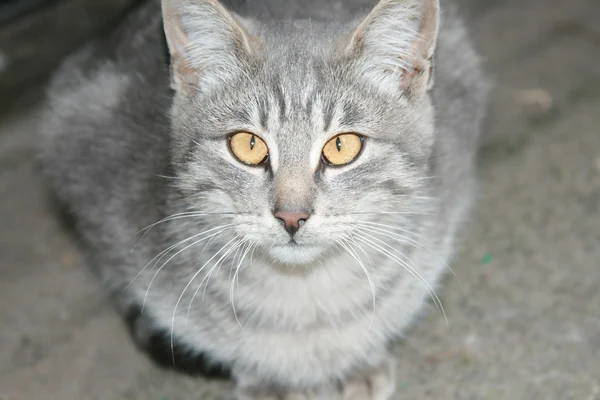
(128, 146)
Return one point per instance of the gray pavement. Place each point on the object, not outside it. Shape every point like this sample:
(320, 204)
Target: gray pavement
(524, 311)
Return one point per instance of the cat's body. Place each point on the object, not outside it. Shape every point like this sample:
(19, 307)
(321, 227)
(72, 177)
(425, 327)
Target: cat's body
(278, 322)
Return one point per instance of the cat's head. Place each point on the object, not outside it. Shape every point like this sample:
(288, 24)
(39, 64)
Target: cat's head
(297, 132)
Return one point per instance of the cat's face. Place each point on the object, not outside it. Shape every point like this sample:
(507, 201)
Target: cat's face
(299, 141)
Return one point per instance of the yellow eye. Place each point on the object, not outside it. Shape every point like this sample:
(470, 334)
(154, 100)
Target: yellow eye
(343, 149)
(248, 148)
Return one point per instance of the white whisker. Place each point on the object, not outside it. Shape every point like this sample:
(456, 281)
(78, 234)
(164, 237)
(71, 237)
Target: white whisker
(160, 255)
(368, 258)
(364, 238)
(235, 246)
(391, 213)
(173, 256)
(404, 239)
(353, 254)
(234, 280)
(188, 214)
(252, 253)
(185, 289)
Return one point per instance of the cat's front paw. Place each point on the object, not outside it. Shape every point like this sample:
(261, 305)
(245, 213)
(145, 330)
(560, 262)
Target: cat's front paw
(273, 394)
(373, 384)
(377, 383)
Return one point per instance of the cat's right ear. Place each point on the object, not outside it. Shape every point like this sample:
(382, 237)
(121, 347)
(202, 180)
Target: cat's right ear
(395, 44)
(206, 42)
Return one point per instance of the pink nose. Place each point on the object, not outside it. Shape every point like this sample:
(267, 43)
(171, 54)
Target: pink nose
(292, 221)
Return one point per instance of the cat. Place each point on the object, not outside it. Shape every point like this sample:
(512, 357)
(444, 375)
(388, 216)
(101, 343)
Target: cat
(271, 189)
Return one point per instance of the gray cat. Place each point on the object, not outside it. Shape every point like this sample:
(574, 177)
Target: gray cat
(272, 188)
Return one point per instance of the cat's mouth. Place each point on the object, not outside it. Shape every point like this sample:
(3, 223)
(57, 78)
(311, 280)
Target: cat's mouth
(294, 253)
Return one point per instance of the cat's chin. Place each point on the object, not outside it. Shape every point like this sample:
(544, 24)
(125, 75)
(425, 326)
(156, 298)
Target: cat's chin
(293, 254)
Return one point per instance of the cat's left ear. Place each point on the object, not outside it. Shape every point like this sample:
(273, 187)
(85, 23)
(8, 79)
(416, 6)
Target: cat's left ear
(395, 44)
(207, 43)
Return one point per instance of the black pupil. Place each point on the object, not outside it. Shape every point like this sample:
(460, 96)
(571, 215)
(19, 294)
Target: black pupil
(338, 144)
(252, 142)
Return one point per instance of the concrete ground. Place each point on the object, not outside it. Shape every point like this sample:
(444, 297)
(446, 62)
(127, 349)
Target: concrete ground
(524, 318)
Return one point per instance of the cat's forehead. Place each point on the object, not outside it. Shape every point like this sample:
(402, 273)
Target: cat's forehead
(303, 97)
(310, 97)
(300, 86)
(299, 36)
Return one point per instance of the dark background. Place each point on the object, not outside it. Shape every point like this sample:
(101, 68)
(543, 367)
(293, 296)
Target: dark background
(524, 319)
